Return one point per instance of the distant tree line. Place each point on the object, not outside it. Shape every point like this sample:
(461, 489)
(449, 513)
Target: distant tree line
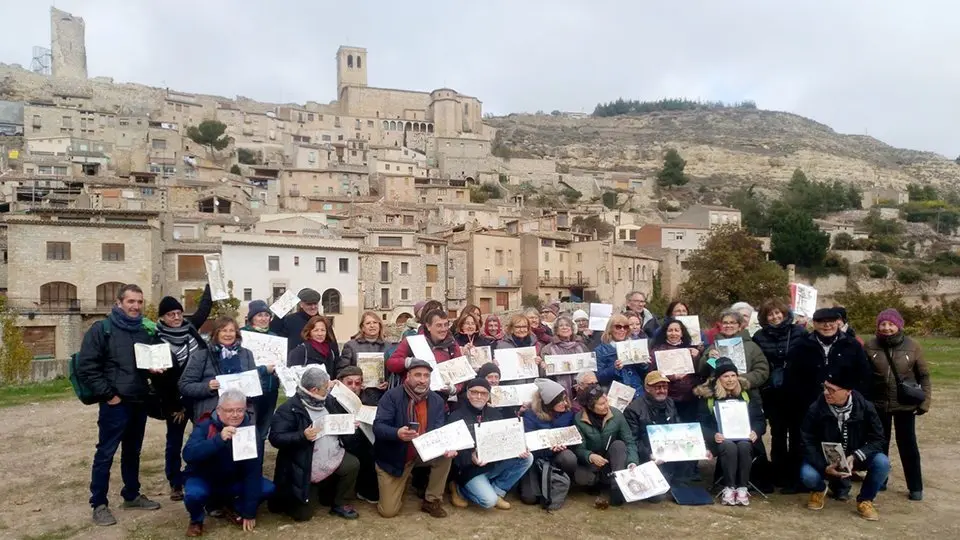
(621, 106)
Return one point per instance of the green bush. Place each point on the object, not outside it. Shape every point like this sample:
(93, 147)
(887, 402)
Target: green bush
(909, 276)
(878, 271)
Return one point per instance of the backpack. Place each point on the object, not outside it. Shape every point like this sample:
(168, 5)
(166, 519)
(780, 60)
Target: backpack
(545, 484)
(83, 392)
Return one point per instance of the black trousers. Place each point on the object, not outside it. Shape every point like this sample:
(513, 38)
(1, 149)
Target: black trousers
(735, 459)
(905, 424)
(775, 409)
(591, 475)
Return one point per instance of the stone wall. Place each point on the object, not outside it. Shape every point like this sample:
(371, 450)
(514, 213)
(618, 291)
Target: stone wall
(68, 45)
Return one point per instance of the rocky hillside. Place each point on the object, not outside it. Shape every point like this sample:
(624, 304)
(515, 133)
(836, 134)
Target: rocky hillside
(723, 147)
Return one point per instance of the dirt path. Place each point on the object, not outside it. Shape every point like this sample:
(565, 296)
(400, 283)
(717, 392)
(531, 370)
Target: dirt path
(47, 450)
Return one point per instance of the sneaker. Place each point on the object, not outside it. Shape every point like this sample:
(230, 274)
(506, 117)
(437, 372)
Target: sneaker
(915, 496)
(434, 508)
(502, 504)
(176, 494)
(194, 530)
(817, 500)
(867, 511)
(371, 500)
(456, 499)
(728, 497)
(103, 516)
(141, 503)
(742, 496)
(346, 512)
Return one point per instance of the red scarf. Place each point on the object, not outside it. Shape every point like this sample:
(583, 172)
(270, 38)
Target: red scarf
(322, 347)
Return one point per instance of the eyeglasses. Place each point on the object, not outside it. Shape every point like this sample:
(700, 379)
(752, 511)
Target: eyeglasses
(830, 390)
(478, 393)
(518, 327)
(621, 327)
(233, 411)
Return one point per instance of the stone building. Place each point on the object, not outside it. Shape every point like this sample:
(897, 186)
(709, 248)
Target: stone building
(493, 268)
(609, 271)
(68, 45)
(545, 266)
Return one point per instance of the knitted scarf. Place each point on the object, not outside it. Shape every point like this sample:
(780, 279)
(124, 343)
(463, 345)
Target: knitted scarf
(229, 360)
(120, 320)
(310, 402)
(412, 404)
(842, 413)
(566, 346)
(322, 347)
(180, 339)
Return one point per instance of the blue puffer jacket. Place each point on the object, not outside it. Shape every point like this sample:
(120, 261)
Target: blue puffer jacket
(606, 358)
(210, 457)
(532, 422)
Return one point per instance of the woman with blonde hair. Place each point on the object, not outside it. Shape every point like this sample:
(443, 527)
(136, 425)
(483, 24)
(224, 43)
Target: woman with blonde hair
(608, 365)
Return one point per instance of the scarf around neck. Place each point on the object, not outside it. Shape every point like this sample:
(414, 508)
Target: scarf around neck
(655, 406)
(842, 413)
(322, 347)
(120, 319)
(888, 342)
(568, 346)
(412, 404)
(181, 341)
(595, 419)
(229, 359)
(310, 402)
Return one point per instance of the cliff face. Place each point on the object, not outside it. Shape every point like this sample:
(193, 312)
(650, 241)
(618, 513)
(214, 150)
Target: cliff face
(726, 146)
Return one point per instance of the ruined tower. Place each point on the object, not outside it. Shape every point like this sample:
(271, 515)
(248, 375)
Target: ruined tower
(68, 45)
(351, 67)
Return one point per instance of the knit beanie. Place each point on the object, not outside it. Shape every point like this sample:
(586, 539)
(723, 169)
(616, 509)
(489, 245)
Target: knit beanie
(487, 369)
(255, 308)
(168, 304)
(479, 381)
(548, 389)
(724, 365)
(892, 316)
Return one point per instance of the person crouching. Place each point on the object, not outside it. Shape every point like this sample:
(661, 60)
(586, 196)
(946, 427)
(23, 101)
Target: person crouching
(213, 478)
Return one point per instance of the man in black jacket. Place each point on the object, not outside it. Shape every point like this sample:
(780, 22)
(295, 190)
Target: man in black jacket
(483, 484)
(656, 408)
(842, 415)
(807, 366)
(107, 365)
(182, 334)
(291, 325)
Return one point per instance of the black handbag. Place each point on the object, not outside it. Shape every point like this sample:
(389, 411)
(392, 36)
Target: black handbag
(909, 393)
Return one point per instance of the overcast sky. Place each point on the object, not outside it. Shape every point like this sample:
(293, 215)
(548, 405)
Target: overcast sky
(886, 68)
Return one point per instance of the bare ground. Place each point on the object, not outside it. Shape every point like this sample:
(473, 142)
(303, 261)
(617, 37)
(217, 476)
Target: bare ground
(48, 448)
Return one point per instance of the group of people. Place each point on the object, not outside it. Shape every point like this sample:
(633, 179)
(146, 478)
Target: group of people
(816, 387)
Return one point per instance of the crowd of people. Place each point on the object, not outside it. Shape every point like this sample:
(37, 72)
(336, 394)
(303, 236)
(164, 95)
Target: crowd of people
(812, 386)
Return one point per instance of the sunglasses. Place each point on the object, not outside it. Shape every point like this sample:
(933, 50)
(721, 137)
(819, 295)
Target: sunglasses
(621, 327)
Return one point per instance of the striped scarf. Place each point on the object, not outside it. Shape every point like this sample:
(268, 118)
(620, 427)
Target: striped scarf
(180, 339)
(842, 413)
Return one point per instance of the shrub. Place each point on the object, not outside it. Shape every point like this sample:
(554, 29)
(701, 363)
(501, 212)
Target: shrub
(878, 271)
(909, 276)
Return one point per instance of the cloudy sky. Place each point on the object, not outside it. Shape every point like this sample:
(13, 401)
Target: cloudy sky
(886, 68)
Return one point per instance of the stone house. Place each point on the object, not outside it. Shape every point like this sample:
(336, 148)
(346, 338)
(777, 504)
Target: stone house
(493, 268)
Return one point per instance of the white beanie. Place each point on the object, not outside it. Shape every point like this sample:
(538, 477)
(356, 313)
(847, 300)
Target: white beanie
(549, 390)
(580, 314)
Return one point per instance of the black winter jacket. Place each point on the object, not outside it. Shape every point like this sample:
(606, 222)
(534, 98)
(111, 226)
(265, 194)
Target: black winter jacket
(807, 368)
(776, 342)
(471, 417)
(864, 433)
(167, 383)
(294, 451)
(640, 414)
(108, 366)
(290, 328)
(708, 419)
(203, 366)
(304, 354)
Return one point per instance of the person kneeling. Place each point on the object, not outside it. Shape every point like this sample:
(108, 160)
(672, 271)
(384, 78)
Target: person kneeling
(307, 460)
(608, 444)
(734, 457)
(213, 478)
(483, 484)
(842, 415)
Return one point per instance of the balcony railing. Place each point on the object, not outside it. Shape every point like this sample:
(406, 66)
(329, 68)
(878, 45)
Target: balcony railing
(564, 282)
(501, 282)
(26, 306)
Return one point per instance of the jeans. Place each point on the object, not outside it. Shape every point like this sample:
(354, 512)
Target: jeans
(199, 494)
(484, 489)
(735, 459)
(877, 470)
(905, 424)
(119, 425)
(173, 465)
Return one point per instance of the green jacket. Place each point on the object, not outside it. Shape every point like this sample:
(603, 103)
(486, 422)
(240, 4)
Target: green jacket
(758, 369)
(595, 440)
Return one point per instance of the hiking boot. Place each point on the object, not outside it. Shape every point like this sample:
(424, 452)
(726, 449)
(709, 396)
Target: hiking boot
(103, 516)
(346, 512)
(867, 511)
(728, 497)
(915, 496)
(194, 530)
(742, 496)
(141, 503)
(456, 499)
(176, 494)
(817, 500)
(502, 504)
(434, 508)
